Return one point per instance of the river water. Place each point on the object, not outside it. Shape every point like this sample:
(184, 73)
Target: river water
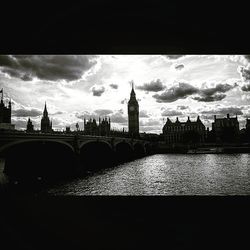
(169, 174)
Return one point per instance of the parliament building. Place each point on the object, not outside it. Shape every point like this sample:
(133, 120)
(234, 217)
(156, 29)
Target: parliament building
(180, 132)
(102, 128)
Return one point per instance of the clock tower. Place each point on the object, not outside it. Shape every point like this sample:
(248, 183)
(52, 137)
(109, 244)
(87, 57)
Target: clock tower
(133, 114)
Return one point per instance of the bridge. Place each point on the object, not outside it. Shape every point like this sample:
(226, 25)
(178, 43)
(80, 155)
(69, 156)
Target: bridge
(34, 154)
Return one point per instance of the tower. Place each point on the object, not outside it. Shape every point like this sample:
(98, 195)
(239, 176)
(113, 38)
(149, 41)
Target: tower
(46, 125)
(30, 126)
(133, 114)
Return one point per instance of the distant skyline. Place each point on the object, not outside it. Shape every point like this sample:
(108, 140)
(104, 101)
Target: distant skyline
(78, 86)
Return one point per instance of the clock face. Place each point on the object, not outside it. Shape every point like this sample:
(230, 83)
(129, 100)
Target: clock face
(131, 108)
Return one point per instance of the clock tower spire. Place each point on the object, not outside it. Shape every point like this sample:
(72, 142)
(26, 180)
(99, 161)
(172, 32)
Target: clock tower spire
(133, 114)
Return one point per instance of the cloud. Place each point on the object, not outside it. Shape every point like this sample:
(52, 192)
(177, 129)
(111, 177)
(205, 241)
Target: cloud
(224, 111)
(153, 86)
(113, 86)
(214, 94)
(182, 107)
(103, 112)
(216, 97)
(173, 57)
(149, 123)
(26, 112)
(143, 114)
(244, 72)
(179, 67)
(98, 91)
(124, 101)
(46, 67)
(246, 87)
(171, 113)
(85, 114)
(247, 57)
(58, 113)
(182, 91)
(118, 118)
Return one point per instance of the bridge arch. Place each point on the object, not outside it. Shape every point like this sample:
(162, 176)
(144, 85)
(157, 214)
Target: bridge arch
(96, 154)
(124, 151)
(148, 148)
(5, 148)
(25, 159)
(95, 141)
(139, 150)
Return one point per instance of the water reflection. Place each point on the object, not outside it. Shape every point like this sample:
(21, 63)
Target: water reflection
(171, 174)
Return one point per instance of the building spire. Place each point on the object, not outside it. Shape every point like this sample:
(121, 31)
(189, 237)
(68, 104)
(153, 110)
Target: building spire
(45, 112)
(132, 94)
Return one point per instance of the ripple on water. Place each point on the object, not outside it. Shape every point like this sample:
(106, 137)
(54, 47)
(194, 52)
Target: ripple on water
(204, 174)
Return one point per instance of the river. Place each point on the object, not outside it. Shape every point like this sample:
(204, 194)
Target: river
(169, 174)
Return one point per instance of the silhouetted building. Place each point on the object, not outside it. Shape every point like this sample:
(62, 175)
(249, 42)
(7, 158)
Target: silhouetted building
(225, 129)
(5, 115)
(46, 124)
(68, 129)
(30, 126)
(247, 124)
(133, 114)
(92, 128)
(184, 132)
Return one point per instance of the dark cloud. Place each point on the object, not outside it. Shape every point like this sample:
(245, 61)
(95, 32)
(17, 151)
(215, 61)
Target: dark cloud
(171, 113)
(174, 57)
(247, 57)
(26, 112)
(182, 107)
(98, 91)
(153, 86)
(214, 94)
(182, 91)
(143, 114)
(26, 77)
(179, 67)
(246, 87)
(223, 111)
(221, 88)
(216, 97)
(46, 67)
(103, 112)
(245, 73)
(113, 86)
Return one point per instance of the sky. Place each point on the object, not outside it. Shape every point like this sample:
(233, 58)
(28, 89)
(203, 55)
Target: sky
(92, 86)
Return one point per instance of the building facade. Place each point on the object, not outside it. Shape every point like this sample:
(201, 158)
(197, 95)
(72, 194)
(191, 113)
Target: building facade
(5, 115)
(133, 114)
(46, 124)
(225, 129)
(102, 128)
(30, 126)
(247, 124)
(184, 132)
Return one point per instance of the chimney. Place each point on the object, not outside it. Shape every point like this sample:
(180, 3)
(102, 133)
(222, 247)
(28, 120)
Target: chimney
(215, 117)
(227, 116)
